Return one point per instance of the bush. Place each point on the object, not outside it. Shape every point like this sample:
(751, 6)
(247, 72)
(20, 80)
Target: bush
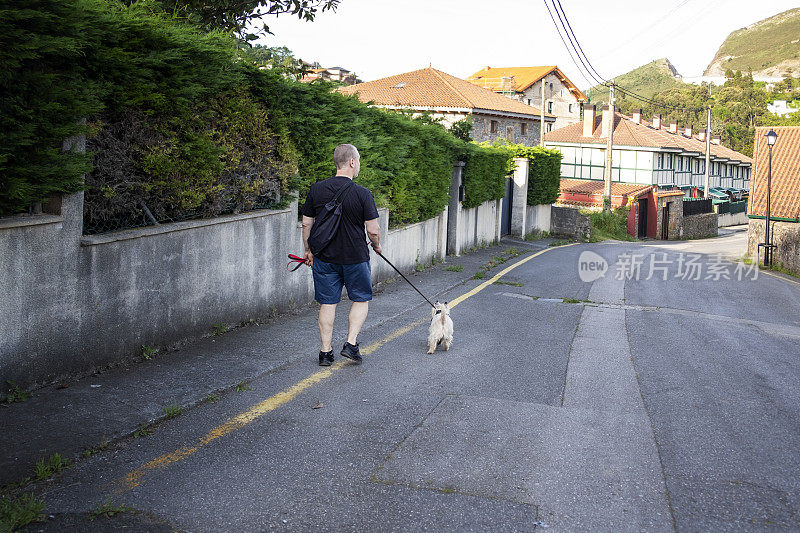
(610, 225)
(484, 174)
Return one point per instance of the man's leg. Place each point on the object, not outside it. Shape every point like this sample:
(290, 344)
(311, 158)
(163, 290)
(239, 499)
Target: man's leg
(327, 313)
(358, 314)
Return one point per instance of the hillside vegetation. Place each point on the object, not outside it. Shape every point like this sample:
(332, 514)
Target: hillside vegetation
(655, 77)
(770, 47)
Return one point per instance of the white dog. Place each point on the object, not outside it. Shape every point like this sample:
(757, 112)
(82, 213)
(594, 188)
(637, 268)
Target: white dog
(441, 329)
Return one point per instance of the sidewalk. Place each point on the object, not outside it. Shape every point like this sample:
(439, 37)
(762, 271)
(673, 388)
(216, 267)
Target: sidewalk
(74, 417)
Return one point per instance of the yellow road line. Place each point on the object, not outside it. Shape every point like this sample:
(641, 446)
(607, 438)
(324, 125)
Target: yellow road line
(134, 478)
(761, 271)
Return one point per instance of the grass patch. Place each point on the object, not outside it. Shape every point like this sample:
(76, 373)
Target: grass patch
(479, 274)
(19, 512)
(454, 268)
(609, 225)
(148, 351)
(212, 397)
(172, 411)
(572, 301)
(108, 510)
(559, 242)
(16, 394)
(51, 466)
(219, 328)
(536, 235)
(512, 251)
(144, 431)
(88, 452)
(512, 283)
(242, 387)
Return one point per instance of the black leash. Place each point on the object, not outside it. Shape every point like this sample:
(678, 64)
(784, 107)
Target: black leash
(405, 278)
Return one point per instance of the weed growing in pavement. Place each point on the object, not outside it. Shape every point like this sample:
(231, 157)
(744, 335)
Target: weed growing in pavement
(46, 468)
(148, 351)
(242, 387)
(144, 431)
(513, 252)
(419, 267)
(479, 274)
(454, 268)
(219, 328)
(212, 397)
(559, 242)
(16, 394)
(88, 452)
(172, 411)
(108, 510)
(273, 311)
(536, 235)
(571, 301)
(512, 283)
(498, 259)
(19, 512)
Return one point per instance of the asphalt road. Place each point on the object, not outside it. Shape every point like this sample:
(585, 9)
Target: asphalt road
(633, 405)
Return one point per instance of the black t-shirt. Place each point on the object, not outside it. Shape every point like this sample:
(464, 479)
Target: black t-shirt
(349, 246)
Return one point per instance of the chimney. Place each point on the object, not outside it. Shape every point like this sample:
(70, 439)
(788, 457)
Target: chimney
(657, 122)
(702, 134)
(673, 126)
(715, 139)
(637, 116)
(588, 120)
(605, 124)
(688, 131)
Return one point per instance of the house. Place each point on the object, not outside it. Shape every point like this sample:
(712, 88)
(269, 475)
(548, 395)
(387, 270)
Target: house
(651, 164)
(339, 74)
(562, 98)
(452, 99)
(781, 108)
(784, 197)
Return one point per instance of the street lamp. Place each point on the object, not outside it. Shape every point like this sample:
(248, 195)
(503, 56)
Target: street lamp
(772, 137)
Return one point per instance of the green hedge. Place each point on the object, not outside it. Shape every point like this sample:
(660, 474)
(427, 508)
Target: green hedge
(176, 121)
(484, 174)
(544, 172)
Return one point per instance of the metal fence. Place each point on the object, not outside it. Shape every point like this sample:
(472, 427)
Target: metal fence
(697, 207)
(738, 207)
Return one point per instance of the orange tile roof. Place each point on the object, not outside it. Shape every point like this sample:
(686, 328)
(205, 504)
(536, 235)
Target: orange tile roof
(524, 77)
(785, 186)
(429, 87)
(629, 133)
(597, 186)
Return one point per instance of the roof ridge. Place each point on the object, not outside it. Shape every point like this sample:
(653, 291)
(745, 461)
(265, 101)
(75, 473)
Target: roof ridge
(438, 74)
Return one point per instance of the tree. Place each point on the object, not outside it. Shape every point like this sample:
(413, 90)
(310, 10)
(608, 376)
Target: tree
(235, 15)
(462, 129)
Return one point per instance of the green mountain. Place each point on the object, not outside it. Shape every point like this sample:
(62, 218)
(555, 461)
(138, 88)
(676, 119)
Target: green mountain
(770, 47)
(656, 76)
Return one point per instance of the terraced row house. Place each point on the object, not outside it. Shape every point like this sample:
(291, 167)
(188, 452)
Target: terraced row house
(646, 153)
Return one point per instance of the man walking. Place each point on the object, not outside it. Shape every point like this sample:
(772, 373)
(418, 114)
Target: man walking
(345, 261)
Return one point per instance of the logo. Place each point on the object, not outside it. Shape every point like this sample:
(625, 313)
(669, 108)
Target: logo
(591, 266)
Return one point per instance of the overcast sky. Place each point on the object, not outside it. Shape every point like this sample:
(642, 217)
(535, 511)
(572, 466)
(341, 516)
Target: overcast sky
(377, 38)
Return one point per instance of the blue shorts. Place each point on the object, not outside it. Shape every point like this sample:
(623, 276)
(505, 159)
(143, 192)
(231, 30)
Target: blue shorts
(330, 277)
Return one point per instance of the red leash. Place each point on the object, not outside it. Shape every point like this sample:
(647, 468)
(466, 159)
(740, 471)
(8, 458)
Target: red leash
(295, 259)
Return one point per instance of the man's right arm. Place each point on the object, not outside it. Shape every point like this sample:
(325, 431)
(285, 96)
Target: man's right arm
(374, 234)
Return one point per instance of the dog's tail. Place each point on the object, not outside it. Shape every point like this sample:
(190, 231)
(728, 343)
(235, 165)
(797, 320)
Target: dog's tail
(443, 317)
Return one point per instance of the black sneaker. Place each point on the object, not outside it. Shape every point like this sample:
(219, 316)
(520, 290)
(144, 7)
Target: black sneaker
(326, 358)
(351, 352)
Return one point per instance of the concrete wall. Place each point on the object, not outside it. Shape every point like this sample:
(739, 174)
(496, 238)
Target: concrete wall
(785, 235)
(538, 218)
(569, 222)
(72, 303)
(479, 225)
(726, 219)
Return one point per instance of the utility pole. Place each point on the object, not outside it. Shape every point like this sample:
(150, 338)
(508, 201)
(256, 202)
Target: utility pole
(541, 118)
(609, 149)
(708, 152)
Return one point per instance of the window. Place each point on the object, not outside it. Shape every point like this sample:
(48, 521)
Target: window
(400, 85)
(549, 107)
(523, 128)
(660, 160)
(551, 86)
(529, 101)
(493, 126)
(549, 126)
(570, 108)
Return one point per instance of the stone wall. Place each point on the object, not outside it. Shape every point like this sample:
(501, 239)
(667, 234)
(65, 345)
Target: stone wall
(700, 226)
(481, 129)
(561, 97)
(785, 235)
(569, 222)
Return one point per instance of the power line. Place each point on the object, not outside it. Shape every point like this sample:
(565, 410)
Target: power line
(580, 70)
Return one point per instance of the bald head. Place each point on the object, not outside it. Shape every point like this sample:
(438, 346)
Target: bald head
(347, 159)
